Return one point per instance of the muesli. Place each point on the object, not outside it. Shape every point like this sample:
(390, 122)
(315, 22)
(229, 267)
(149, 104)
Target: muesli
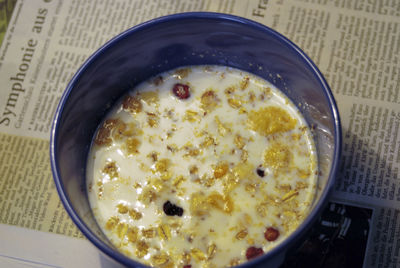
(202, 166)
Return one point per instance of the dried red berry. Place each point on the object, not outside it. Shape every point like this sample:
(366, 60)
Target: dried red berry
(253, 252)
(271, 234)
(181, 91)
(187, 266)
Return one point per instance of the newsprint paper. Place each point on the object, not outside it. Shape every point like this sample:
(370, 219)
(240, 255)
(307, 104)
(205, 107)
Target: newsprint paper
(355, 43)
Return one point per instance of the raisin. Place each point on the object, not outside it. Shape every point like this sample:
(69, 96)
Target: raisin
(181, 91)
(271, 234)
(253, 252)
(260, 172)
(172, 209)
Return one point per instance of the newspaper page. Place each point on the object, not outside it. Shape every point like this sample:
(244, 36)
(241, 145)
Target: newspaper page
(355, 43)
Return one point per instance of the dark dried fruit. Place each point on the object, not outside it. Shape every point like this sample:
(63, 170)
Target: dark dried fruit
(158, 80)
(181, 91)
(260, 172)
(172, 209)
(187, 266)
(253, 252)
(271, 234)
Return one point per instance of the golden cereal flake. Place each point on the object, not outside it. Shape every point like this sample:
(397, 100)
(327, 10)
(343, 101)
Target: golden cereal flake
(244, 156)
(270, 120)
(132, 234)
(181, 192)
(251, 187)
(247, 219)
(242, 110)
(100, 189)
(209, 100)
(157, 184)
(278, 156)
(208, 141)
(208, 264)
(207, 181)
(285, 187)
(142, 248)
(191, 116)
(303, 173)
(252, 97)
(134, 214)
(111, 169)
(192, 152)
(132, 104)
(122, 208)
(121, 229)
(290, 195)
(221, 169)
(197, 254)
(153, 156)
(103, 136)
(211, 250)
(241, 234)
(169, 113)
(118, 131)
(112, 222)
(250, 241)
(178, 181)
(167, 175)
(175, 223)
(235, 103)
(198, 204)
(125, 130)
(262, 209)
(230, 182)
(266, 93)
(235, 262)
(147, 196)
(164, 232)
(243, 170)
(160, 259)
(244, 83)
(230, 90)
(162, 165)
(301, 185)
(223, 129)
(183, 72)
(296, 136)
(172, 148)
(144, 167)
(149, 233)
(220, 202)
(239, 141)
(193, 169)
(186, 258)
(152, 120)
(132, 145)
(149, 97)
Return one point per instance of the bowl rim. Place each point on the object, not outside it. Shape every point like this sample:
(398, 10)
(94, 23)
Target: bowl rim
(307, 222)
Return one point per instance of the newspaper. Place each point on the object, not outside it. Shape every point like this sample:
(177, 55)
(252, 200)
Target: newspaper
(355, 43)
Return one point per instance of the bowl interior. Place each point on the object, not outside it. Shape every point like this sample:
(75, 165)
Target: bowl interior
(167, 43)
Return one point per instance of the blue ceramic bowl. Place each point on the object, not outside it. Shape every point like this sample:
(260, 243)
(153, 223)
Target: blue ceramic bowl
(166, 43)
